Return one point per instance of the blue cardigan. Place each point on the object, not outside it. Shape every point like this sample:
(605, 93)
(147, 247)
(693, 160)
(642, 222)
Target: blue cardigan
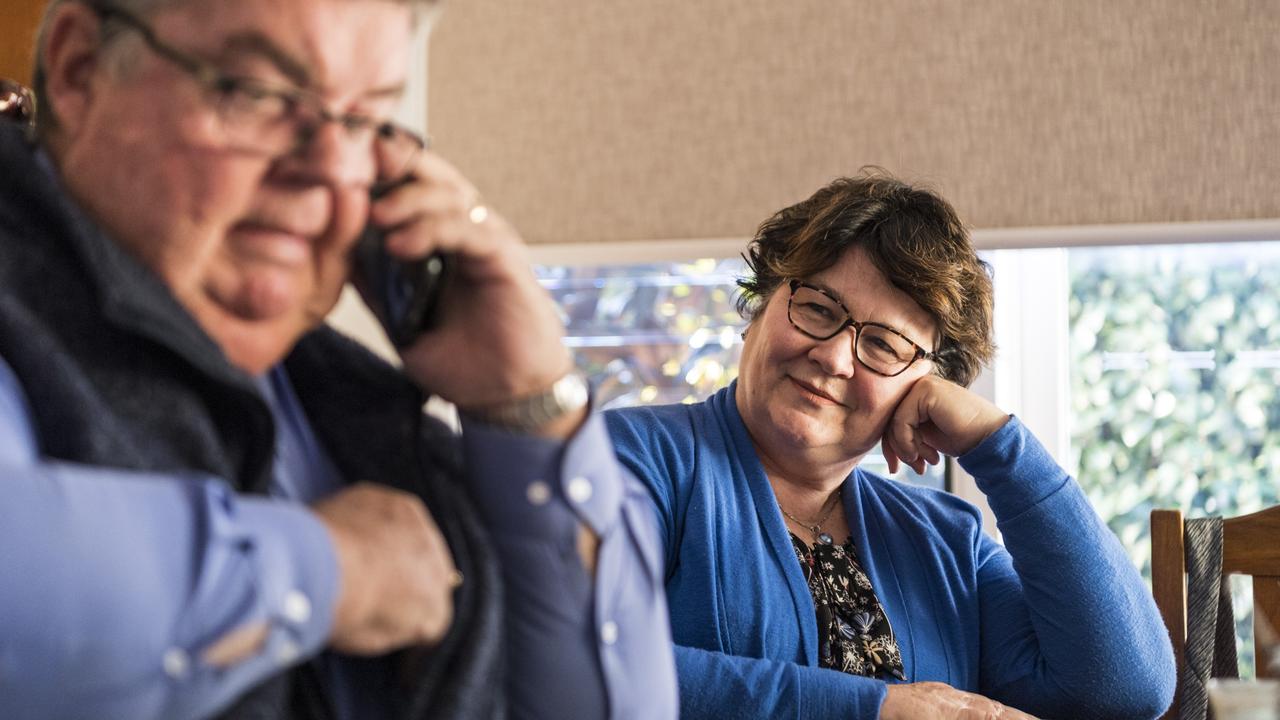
(1057, 622)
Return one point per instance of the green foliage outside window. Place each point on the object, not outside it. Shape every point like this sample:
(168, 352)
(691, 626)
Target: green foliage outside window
(1175, 365)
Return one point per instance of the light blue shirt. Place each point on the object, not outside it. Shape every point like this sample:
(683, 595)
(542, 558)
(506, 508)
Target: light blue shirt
(113, 582)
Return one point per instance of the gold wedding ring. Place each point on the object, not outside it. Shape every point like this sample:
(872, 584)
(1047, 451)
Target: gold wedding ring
(477, 211)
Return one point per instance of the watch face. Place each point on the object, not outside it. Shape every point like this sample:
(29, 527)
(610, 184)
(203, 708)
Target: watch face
(571, 392)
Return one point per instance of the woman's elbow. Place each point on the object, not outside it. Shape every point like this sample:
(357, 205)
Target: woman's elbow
(1145, 689)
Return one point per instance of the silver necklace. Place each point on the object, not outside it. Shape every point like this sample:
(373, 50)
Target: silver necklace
(816, 527)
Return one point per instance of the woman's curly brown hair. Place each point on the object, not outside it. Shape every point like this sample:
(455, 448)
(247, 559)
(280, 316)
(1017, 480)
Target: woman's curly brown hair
(910, 234)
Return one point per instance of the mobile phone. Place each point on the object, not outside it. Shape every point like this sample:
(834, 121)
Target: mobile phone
(404, 295)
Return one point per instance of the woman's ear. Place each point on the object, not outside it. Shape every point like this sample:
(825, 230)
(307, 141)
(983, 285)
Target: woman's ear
(69, 60)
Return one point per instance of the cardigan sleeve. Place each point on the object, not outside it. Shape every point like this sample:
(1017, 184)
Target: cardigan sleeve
(1068, 628)
(718, 685)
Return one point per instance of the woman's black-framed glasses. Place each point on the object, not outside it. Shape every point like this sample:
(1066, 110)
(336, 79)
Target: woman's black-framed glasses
(818, 314)
(269, 119)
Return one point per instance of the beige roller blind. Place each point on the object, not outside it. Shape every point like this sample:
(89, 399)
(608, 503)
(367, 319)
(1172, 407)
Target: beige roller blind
(604, 120)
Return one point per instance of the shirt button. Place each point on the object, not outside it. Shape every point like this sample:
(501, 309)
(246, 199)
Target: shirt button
(579, 490)
(296, 608)
(537, 493)
(176, 662)
(609, 632)
(288, 652)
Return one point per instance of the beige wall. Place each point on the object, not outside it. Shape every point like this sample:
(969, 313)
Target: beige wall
(612, 120)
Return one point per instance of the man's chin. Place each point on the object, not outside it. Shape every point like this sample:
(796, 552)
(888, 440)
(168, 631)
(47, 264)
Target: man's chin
(265, 298)
(256, 346)
(256, 327)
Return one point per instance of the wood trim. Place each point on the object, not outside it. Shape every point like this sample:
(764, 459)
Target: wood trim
(1168, 585)
(18, 22)
(1250, 546)
(1266, 624)
(1251, 543)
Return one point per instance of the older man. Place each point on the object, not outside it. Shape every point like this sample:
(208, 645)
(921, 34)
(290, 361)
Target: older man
(212, 505)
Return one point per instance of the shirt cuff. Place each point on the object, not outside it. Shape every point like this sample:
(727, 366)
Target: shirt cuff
(533, 486)
(1013, 469)
(298, 575)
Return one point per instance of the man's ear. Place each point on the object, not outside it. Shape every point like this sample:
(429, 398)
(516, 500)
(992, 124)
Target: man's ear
(70, 60)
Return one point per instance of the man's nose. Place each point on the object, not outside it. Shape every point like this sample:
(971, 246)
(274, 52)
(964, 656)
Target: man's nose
(835, 355)
(331, 156)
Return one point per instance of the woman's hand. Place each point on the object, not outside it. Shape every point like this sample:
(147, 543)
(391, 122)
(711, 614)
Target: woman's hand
(937, 417)
(940, 701)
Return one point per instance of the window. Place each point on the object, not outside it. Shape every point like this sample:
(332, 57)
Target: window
(1174, 370)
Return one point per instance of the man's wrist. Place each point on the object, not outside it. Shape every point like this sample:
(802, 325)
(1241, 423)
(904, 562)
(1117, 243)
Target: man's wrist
(564, 400)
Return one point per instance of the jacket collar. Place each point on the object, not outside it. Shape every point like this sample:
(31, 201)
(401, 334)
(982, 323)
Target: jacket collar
(130, 296)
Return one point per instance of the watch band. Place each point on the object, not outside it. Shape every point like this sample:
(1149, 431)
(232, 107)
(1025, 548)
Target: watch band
(530, 412)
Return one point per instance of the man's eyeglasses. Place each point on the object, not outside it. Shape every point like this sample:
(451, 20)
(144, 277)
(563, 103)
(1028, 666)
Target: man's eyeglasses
(880, 349)
(262, 118)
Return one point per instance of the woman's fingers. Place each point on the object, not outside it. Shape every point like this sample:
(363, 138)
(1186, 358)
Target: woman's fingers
(890, 457)
(905, 440)
(943, 702)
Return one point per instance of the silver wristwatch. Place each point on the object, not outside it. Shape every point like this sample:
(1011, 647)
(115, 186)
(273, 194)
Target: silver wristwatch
(530, 412)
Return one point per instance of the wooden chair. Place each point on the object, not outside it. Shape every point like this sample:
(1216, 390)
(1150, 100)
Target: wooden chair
(1250, 546)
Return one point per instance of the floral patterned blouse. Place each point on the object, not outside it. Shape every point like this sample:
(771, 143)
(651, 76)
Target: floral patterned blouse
(854, 635)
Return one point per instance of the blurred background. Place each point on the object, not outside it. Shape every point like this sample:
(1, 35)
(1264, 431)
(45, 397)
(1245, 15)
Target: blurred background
(18, 20)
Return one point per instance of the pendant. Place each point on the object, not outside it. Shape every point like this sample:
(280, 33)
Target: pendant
(824, 538)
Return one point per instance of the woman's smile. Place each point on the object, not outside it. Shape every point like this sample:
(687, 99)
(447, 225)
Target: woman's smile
(813, 393)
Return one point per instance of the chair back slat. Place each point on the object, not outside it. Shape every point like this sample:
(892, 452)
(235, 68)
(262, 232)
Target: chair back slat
(1266, 609)
(1169, 586)
(1251, 543)
(1250, 546)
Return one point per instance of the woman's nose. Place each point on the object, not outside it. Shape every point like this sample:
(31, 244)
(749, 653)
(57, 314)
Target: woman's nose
(835, 355)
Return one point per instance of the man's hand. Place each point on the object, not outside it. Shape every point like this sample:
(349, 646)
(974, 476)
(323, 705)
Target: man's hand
(939, 701)
(938, 417)
(499, 335)
(397, 577)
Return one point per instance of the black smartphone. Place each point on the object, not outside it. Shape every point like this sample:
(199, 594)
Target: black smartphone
(404, 295)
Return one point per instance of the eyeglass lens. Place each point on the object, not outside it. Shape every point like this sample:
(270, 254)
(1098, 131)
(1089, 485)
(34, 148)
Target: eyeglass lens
(879, 348)
(272, 122)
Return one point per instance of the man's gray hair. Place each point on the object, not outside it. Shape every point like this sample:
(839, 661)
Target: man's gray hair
(45, 120)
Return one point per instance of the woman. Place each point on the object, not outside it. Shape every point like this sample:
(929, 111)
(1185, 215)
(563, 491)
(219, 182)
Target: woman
(801, 586)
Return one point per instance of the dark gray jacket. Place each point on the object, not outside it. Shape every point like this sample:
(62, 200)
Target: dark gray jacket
(118, 374)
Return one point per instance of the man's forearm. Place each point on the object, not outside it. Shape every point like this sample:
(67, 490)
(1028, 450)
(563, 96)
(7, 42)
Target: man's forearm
(587, 621)
(118, 587)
